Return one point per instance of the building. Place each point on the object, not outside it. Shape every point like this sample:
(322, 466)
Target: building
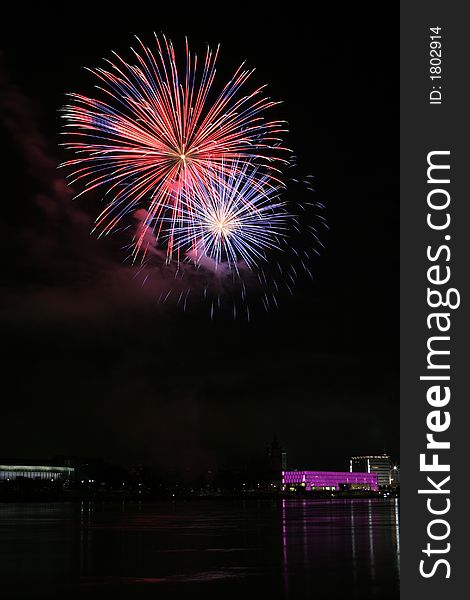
(35, 472)
(276, 457)
(378, 463)
(328, 480)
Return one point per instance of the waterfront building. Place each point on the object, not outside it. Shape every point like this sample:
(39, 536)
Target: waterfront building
(36, 472)
(374, 463)
(328, 480)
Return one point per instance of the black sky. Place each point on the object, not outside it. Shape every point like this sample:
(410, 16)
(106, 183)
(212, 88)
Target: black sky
(92, 364)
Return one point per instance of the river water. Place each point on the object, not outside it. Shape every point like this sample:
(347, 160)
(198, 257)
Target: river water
(281, 549)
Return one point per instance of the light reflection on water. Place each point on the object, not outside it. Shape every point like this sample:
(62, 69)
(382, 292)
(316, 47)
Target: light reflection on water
(287, 549)
(349, 547)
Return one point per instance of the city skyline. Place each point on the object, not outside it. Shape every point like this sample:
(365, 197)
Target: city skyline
(83, 477)
(272, 458)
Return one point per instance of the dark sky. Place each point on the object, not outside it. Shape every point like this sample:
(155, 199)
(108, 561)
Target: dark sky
(92, 364)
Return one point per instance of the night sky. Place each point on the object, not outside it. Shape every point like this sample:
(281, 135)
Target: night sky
(93, 365)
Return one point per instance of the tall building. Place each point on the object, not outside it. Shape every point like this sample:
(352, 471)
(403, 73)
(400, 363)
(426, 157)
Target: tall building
(374, 463)
(276, 457)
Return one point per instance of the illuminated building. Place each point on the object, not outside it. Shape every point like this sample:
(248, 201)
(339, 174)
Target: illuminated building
(379, 464)
(328, 480)
(41, 472)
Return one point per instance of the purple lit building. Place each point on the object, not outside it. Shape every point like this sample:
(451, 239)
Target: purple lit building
(329, 480)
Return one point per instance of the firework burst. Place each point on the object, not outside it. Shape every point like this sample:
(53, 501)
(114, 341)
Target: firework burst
(231, 221)
(161, 132)
(203, 174)
(243, 249)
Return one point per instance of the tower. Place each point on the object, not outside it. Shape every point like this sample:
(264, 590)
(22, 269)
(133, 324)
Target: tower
(276, 458)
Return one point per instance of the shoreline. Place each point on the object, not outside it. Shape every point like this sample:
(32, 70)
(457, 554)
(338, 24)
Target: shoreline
(113, 497)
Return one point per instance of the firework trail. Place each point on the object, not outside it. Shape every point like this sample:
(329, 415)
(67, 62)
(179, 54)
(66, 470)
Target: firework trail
(161, 132)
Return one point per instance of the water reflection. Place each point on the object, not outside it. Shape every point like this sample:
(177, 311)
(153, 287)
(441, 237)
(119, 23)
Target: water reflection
(397, 532)
(350, 547)
(287, 549)
(353, 543)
